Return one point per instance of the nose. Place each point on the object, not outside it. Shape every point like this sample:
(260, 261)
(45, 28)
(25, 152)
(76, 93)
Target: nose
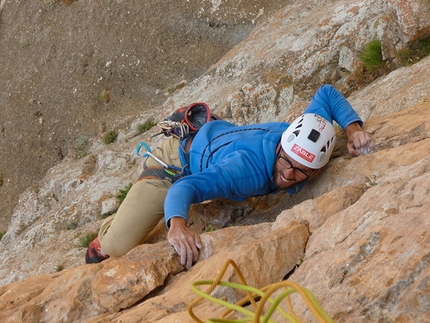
(289, 174)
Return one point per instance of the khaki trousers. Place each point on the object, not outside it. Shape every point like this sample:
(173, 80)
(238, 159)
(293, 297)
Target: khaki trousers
(142, 209)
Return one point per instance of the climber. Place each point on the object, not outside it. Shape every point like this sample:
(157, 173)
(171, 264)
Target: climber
(226, 161)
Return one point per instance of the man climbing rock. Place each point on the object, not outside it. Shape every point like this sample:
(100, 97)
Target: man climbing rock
(222, 160)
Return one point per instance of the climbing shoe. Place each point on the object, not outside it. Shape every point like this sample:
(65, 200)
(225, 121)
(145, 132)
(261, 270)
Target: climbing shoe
(94, 253)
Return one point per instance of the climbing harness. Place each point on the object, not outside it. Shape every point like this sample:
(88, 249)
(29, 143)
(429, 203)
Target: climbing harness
(265, 295)
(168, 172)
(182, 123)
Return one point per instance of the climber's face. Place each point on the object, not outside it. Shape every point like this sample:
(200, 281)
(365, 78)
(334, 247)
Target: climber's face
(287, 172)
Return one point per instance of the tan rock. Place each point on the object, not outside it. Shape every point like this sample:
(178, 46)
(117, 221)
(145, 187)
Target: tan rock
(264, 255)
(61, 297)
(374, 256)
(125, 281)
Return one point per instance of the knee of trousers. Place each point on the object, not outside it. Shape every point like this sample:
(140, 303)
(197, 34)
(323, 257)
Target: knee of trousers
(138, 214)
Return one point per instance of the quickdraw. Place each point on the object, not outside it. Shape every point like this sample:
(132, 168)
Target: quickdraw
(174, 171)
(186, 121)
(178, 129)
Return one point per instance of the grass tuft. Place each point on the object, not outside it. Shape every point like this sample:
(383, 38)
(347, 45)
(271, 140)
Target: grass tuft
(414, 52)
(141, 128)
(85, 240)
(109, 137)
(104, 96)
(371, 56)
(123, 193)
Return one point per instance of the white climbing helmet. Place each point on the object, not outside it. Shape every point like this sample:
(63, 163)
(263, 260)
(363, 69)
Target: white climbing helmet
(309, 140)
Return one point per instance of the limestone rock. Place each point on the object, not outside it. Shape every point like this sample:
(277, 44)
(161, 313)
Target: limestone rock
(122, 283)
(374, 256)
(307, 43)
(90, 290)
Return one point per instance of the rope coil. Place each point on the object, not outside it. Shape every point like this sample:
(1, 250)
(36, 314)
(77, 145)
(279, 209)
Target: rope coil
(265, 295)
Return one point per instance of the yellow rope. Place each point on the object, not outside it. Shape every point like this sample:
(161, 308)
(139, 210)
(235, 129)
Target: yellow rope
(215, 284)
(265, 294)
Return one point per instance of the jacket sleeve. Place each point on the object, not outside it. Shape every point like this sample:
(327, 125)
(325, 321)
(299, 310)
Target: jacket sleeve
(237, 177)
(329, 103)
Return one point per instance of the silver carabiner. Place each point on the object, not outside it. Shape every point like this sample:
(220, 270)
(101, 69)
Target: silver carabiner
(149, 153)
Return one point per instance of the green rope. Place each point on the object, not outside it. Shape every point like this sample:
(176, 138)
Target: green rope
(265, 293)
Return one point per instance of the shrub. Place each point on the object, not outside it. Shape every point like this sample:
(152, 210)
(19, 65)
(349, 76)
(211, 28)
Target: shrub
(82, 143)
(82, 147)
(371, 56)
(110, 137)
(141, 128)
(59, 268)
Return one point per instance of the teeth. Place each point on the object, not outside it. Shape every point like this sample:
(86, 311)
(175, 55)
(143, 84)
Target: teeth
(284, 179)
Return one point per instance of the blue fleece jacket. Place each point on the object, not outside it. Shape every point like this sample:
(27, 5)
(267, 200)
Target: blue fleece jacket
(236, 162)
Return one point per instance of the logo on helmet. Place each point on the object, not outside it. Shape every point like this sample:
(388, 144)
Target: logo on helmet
(322, 125)
(303, 153)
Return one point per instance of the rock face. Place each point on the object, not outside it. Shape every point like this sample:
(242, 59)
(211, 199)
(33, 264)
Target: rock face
(357, 236)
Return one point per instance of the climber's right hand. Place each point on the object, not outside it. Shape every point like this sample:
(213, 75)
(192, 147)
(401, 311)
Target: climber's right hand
(185, 241)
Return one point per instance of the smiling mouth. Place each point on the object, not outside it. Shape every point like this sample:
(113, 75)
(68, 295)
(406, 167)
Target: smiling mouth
(284, 179)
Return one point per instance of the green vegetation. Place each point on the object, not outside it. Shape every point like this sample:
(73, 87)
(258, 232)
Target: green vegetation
(141, 128)
(105, 215)
(372, 60)
(210, 228)
(371, 56)
(372, 181)
(414, 52)
(110, 137)
(82, 147)
(2, 234)
(84, 241)
(104, 96)
(178, 86)
(123, 193)
(59, 268)
(373, 66)
(82, 143)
